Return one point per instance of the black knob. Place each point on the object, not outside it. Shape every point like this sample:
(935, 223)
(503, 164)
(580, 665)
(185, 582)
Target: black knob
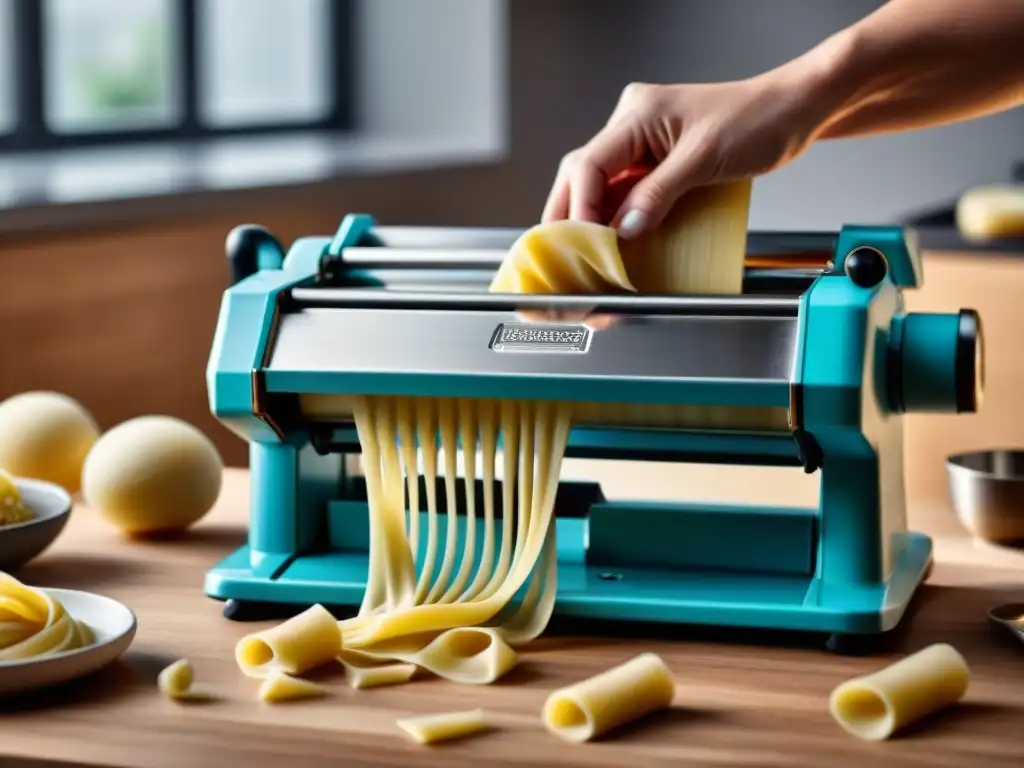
(970, 362)
(243, 247)
(866, 267)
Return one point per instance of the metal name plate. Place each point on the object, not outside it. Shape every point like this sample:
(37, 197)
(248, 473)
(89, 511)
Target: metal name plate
(551, 339)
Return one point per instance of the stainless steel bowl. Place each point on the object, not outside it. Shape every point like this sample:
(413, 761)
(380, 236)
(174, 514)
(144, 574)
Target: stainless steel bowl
(987, 492)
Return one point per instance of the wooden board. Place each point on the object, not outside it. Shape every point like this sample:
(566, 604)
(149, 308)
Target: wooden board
(738, 703)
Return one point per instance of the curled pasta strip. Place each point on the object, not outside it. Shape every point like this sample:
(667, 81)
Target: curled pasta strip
(467, 655)
(34, 625)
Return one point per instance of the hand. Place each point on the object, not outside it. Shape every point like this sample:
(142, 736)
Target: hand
(663, 140)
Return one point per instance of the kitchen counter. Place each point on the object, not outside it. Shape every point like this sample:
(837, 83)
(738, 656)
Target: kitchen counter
(741, 700)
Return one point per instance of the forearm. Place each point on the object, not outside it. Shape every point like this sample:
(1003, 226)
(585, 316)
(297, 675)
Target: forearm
(914, 64)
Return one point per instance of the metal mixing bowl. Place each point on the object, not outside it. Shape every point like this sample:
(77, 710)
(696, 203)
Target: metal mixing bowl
(987, 492)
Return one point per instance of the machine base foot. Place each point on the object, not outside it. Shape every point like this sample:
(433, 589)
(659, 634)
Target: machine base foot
(843, 644)
(251, 610)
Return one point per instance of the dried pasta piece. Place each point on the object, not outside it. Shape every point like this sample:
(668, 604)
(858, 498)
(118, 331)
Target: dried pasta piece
(175, 683)
(875, 706)
(593, 707)
(371, 675)
(279, 687)
(431, 729)
(298, 645)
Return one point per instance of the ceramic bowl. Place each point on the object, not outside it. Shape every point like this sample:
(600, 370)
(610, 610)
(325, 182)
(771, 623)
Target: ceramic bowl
(113, 625)
(50, 506)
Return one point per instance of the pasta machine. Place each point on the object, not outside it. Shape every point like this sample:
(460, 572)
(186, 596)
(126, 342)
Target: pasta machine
(813, 366)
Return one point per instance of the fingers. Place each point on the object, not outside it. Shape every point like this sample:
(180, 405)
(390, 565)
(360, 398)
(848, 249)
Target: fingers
(557, 206)
(583, 178)
(652, 197)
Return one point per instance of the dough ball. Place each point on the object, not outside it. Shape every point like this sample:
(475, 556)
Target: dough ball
(153, 474)
(46, 436)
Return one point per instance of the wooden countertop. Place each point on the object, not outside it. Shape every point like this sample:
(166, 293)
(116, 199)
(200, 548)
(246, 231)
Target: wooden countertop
(737, 704)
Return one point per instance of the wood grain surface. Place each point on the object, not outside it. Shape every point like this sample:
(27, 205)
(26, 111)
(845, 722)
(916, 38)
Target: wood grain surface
(743, 700)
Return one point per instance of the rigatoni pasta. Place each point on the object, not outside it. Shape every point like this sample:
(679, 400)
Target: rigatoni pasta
(300, 644)
(625, 693)
(876, 706)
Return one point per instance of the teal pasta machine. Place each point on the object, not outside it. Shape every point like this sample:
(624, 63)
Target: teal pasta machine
(813, 366)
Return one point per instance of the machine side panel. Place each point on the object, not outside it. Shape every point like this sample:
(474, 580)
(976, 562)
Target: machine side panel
(247, 315)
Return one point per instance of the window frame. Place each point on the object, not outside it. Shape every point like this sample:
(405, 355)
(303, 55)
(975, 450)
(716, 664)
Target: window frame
(32, 133)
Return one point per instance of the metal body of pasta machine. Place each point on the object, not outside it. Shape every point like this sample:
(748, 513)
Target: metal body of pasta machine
(814, 365)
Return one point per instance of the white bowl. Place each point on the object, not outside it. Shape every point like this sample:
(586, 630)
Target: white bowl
(113, 625)
(50, 506)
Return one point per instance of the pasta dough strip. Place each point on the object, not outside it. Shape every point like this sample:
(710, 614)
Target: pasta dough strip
(517, 627)
(508, 419)
(426, 437)
(489, 449)
(410, 464)
(468, 655)
(467, 429)
(400, 579)
(449, 446)
(375, 594)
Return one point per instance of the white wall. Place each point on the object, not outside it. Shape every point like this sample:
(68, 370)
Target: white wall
(429, 68)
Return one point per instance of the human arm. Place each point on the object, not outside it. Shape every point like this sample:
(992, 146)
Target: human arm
(910, 64)
(921, 63)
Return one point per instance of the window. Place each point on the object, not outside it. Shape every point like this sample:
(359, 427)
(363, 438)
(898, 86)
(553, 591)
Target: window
(81, 72)
(267, 88)
(110, 65)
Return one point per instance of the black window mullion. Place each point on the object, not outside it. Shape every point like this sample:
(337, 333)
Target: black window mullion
(29, 76)
(342, 62)
(188, 68)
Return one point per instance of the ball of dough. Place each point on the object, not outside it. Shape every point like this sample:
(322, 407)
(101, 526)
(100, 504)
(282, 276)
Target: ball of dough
(153, 474)
(46, 436)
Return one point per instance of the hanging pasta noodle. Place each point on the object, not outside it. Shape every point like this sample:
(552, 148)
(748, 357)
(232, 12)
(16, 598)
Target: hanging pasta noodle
(455, 612)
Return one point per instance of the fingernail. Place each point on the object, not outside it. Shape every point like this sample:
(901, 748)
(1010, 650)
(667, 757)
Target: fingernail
(632, 224)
